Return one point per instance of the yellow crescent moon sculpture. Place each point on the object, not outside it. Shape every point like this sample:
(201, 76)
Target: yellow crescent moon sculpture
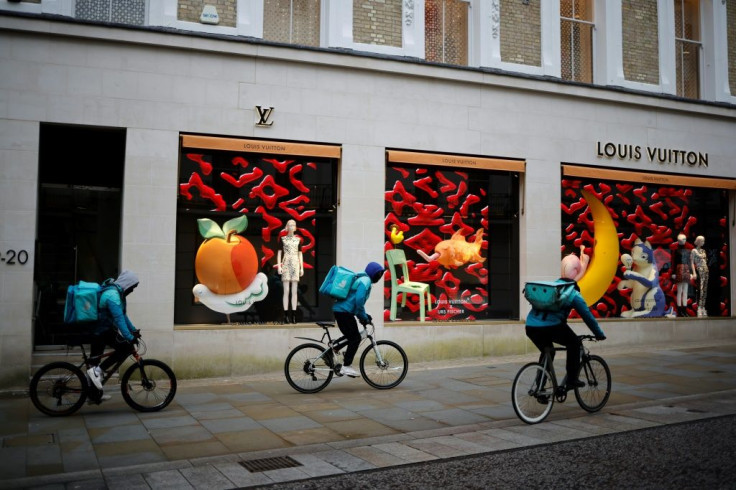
(603, 264)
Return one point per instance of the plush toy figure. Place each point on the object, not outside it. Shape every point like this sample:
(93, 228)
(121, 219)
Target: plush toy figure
(573, 267)
(642, 277)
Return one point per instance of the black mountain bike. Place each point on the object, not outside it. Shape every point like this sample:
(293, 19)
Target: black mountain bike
(535, 387)
(61, 388)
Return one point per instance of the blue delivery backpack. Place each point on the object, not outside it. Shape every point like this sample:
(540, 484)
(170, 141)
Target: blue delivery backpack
(82, 301)
(549, 295)
(338, 282)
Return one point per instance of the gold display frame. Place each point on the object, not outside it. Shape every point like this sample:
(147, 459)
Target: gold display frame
(648, 177)
(260, 146)
(464, 161)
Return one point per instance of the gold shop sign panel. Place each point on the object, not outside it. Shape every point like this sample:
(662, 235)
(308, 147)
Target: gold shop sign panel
(259, 146)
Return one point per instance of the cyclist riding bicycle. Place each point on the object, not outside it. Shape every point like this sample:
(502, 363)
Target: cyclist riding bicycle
(114, 328)
(353, 305)
(545, 327)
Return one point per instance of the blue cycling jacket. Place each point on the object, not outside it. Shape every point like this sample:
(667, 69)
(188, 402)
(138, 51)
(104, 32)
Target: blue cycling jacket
(541, 319)
(356, 299)
(112, 313)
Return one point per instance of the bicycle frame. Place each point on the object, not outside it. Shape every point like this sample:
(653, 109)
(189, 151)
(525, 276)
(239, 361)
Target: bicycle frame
(106, 374)
(342, 341)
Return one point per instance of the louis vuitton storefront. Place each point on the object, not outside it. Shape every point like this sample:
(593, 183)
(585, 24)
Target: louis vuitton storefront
(171, 161)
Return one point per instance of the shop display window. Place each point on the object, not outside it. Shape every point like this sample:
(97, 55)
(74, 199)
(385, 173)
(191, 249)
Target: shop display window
(655, 215)
(458, 228)
(270, 185)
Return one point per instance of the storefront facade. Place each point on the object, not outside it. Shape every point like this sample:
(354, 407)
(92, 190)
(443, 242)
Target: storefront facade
(484, 181)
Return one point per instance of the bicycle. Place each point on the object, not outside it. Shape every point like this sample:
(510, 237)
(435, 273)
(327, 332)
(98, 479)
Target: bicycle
(310, 367)
(535, 387)
(61, 388)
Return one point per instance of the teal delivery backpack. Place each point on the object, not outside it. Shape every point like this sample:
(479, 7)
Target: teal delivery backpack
(549, 295)
(82, 302)
(338, 282)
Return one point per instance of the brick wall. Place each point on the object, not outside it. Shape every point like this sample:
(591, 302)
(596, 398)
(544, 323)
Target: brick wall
(731, 26)
(377, 22)
(640, 41)
(191, 10)
(521, 32)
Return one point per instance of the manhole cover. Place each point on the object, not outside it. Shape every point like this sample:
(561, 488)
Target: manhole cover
(267, 464)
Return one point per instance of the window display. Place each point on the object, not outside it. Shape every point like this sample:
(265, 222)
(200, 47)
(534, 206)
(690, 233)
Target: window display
(264, 194)
(456, 221)
(655, 226)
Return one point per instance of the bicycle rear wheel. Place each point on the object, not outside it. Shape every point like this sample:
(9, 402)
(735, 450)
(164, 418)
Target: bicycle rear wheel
(532, 394)
(387, 372)
(306, 370)
(148, 386)
(595, 374)
(58, 389)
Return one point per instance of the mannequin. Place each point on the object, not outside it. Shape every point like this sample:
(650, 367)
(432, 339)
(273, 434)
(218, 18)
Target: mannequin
(699, 259)
(683, 269)
(291, 269)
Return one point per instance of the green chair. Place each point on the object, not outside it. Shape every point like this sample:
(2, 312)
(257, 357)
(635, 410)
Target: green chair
(398, 258)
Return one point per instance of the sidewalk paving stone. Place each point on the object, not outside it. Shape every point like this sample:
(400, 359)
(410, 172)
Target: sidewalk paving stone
(439, 411)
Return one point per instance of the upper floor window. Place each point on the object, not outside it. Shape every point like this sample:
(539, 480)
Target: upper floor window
(687, 47)
(292, 21)
(576, 38)
(119, 11)
(446, 31)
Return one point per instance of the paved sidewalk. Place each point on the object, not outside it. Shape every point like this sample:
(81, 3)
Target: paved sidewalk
(214, 429)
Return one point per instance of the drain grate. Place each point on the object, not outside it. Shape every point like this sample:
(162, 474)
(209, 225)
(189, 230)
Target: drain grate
(267, 464)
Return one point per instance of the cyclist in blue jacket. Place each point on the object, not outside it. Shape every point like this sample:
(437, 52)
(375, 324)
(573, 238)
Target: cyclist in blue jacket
(545, 327)
(114, 328)
(353, 305)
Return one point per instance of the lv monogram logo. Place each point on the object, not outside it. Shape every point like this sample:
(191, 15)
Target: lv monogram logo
(264, 113)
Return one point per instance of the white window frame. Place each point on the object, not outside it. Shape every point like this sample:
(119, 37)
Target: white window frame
(490, 39)
(594, 36)
(249, 19)
(339, 29)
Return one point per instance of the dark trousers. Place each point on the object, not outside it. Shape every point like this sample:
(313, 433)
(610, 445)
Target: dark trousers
(348, 325)
(561, 334)
(123, 348)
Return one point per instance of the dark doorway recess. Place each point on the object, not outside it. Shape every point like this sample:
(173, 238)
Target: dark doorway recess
(79, 215)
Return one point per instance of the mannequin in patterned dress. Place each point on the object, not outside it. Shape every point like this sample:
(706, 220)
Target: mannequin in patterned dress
(290, 265)
(682, 271)
(699, 258)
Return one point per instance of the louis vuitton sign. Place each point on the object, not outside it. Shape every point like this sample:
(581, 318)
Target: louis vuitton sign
(653, 154)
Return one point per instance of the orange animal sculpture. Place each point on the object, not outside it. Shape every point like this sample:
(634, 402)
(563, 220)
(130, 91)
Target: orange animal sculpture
(456, 252)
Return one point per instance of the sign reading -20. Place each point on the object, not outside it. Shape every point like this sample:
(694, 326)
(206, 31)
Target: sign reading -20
(12, 257)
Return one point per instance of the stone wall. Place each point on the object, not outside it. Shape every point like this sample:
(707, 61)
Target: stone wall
(731, 26)
(521, 32)
(640, 41)
(191, 10)
(377, 22)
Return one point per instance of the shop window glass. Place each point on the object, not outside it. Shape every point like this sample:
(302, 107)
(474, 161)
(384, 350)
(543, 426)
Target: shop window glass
(446, 31)
(119, 11)
(473, 276)
(292, 21)
(687, 47)
(657, 215)
(576, 37)
(269, 189)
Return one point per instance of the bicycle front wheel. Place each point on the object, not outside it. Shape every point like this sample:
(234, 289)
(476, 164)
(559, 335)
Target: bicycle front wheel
(148, 386)
(306, 370)
(595, 374)
(533, 393)
(58, 389)
(384, 366)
